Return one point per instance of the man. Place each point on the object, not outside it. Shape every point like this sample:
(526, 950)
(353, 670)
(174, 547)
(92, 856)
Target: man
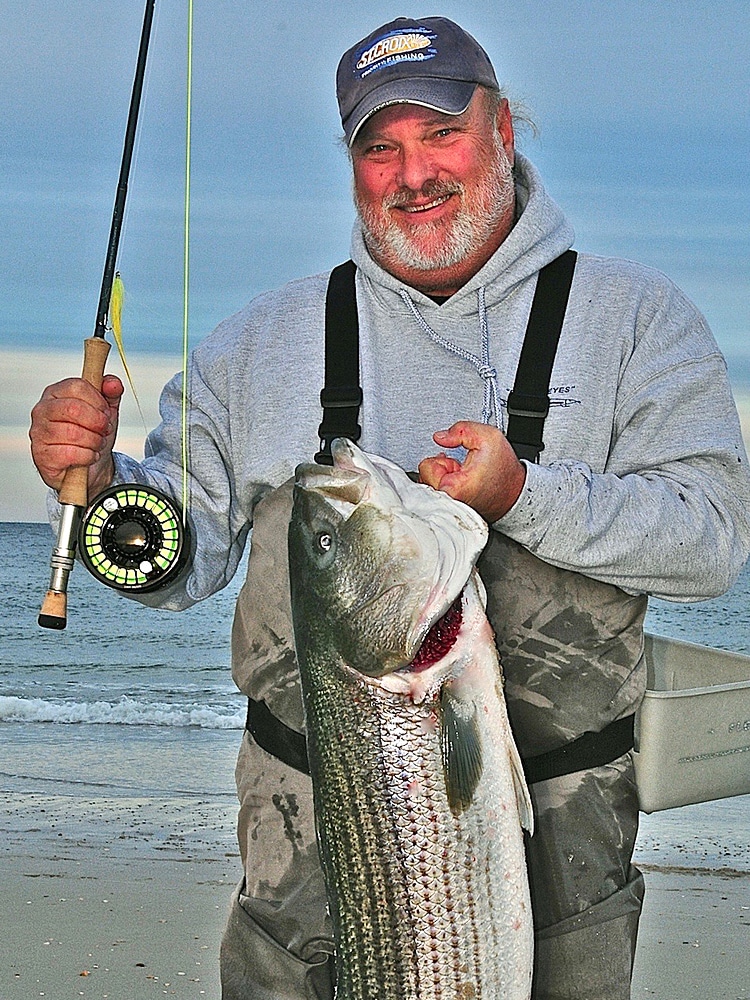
(642, 488)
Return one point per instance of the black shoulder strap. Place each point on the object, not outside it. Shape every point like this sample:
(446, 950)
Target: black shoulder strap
(581, 754)
(528, 402)
(341, 397)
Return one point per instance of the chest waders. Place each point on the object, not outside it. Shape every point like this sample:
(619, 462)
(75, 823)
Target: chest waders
(572, 655)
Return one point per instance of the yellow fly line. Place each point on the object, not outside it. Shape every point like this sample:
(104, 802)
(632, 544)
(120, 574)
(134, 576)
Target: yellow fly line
(186, 264)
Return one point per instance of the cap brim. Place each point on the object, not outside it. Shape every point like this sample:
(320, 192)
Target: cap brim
(451, 97)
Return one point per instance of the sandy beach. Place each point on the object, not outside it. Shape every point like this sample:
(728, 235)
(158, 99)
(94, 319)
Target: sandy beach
(113, 929)
(105, 923)
(123, 931)
(122, 897)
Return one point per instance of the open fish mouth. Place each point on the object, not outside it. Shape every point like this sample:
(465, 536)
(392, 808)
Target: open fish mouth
(440, 639)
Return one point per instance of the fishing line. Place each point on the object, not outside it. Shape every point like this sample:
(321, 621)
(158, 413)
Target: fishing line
(133, 538)
(186, 267)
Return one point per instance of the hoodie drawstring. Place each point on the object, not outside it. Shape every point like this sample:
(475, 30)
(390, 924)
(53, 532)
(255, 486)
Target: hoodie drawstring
(491, 404)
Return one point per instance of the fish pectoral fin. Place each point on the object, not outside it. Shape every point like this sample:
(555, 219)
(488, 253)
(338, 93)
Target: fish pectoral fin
(461, 748)
(523, 797)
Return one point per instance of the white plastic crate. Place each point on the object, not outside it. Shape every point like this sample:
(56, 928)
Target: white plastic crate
(692, 734)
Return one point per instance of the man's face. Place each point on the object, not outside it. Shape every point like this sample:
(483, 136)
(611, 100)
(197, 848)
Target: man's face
(435, 192)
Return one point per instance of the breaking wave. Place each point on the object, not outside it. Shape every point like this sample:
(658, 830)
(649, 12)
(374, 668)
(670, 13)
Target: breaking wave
(125, 712)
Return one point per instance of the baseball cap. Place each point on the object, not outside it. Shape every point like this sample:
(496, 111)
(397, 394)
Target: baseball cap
(432, 62)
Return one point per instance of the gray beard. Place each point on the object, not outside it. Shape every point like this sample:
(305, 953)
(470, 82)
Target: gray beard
(474, 225)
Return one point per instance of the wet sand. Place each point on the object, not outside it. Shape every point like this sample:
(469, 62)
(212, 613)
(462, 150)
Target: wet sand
(119, 896)
(126, 929)
(694, 938)
(122, 930)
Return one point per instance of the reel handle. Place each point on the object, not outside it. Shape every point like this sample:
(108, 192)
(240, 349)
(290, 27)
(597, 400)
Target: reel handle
(73, 496)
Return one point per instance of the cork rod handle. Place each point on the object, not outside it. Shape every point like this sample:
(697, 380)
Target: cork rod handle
(73, 500)
(75, 485)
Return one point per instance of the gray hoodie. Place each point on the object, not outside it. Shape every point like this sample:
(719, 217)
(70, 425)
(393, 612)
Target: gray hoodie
(643, 482)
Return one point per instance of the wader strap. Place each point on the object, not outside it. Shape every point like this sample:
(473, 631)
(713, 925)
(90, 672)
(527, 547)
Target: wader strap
(587, 751)
(341, 396)
(528, 401)
(275, 737)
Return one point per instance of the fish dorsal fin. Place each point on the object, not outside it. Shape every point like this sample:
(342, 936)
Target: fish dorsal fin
(461, 747)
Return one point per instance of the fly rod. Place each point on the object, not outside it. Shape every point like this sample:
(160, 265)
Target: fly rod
(74, 490)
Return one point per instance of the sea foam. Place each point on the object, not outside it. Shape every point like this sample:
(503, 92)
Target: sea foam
(125, 712)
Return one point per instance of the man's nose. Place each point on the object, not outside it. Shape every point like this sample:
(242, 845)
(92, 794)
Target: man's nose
(416, 167)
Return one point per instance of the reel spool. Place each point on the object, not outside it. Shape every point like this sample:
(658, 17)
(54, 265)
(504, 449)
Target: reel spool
(132, 538)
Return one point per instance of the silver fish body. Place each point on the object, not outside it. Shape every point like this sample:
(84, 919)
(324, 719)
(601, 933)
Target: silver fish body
(419, 793)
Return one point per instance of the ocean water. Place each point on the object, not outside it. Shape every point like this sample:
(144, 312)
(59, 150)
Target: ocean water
(128, 721)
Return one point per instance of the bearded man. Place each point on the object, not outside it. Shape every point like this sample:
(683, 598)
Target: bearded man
(640, 487)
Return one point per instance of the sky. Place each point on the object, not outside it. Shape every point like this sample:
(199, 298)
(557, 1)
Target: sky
(643, 138)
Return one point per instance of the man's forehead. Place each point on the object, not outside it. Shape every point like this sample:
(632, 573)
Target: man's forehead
(404, 111)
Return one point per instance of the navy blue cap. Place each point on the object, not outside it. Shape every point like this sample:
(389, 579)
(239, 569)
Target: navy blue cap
(432, 62)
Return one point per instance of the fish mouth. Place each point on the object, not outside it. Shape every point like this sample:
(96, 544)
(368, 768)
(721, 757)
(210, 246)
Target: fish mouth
(440, 638)
(429, 544)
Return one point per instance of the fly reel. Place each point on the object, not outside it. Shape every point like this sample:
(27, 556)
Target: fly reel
(133, 538)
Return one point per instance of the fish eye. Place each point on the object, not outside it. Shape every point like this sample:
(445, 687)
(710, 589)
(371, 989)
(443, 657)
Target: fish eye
(324, 541)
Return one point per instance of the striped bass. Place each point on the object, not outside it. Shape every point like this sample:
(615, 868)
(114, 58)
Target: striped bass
(419, 792)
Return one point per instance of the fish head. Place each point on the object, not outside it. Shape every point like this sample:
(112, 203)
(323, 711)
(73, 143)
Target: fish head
(375, 558)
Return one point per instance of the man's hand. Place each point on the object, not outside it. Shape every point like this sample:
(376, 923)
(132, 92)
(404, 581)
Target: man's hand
(490, 479)
(73, 424)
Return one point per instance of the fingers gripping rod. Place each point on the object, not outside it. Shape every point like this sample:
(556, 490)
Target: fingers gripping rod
(74, 491)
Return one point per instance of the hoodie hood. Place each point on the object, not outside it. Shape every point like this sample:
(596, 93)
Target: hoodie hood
(541, 234)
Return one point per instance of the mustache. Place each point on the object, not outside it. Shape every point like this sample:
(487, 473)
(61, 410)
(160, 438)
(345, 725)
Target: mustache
(430, 189)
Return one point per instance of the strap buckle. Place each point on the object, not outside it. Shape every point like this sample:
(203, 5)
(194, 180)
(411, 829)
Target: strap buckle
(521, 405)
(341, 405)
(337, 396)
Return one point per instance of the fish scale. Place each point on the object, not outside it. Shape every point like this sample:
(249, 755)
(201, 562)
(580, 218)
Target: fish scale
(418, 788)
(359, 849)
(454, 907)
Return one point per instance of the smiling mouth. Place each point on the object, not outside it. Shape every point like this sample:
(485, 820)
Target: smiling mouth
(435, 203)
